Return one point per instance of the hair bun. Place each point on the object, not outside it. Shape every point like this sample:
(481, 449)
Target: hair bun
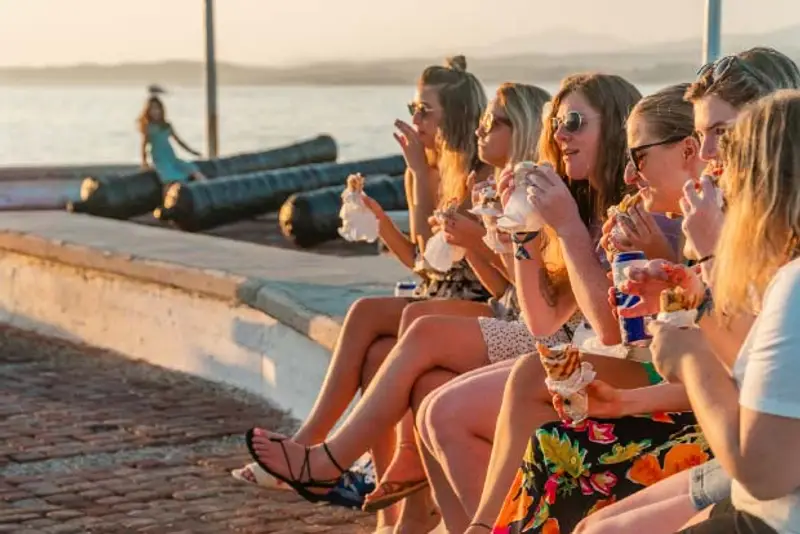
(458, 63)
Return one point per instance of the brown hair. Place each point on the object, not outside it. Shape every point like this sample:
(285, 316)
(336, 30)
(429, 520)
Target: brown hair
(666, 113)
(463, 102)
(752, 74)
(144, 116)
(761, 157)
(613, 97)
(523, 105)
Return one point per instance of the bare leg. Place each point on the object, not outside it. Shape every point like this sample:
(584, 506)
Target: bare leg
(405, 465)
(460, 425)
(383, 444)
(450, 504)
(527, 406)
(367, 320)
(385, 401)
(660, 508)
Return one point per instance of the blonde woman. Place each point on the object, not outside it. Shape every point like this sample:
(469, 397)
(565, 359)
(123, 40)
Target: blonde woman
(507, 134)
(440, 151)
(417, 352)
(717, 95)
(743, 409)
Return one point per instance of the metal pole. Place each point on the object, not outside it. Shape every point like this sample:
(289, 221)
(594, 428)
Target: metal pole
(712, 35)
(211, 83)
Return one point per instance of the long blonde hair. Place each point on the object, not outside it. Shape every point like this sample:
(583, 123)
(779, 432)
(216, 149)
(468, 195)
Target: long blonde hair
(761, 182)
(523, 105)
(463, 102)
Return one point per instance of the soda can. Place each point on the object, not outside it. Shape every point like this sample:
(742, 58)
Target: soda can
(405, 289)
(633, 330)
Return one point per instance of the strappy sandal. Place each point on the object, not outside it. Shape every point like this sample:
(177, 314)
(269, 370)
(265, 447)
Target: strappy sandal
(393, 492)
(302, 488)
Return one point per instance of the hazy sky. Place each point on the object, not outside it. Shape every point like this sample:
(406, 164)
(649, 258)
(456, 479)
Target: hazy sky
(57, 32)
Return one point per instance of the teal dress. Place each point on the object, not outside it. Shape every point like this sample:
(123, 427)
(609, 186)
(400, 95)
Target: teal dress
(167, 164)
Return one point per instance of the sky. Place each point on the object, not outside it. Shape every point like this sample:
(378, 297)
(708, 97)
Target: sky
(281, 32)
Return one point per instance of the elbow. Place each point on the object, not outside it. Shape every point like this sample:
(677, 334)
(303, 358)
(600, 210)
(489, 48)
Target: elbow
(765, 487)
(609, 339)
(765, 484)
(539, 327)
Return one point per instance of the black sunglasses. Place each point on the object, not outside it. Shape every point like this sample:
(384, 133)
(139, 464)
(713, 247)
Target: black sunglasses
(572, 121)
(415, 108)
(490, 120)
(721, 67)
(635, 153)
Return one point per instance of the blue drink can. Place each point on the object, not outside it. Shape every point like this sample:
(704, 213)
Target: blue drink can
(405, 289)
(632, 330)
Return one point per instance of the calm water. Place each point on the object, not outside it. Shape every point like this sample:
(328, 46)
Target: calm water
(50, 125)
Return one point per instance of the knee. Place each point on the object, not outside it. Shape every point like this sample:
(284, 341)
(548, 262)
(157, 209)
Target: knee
(363, 307)
(526, 381)
(374, 358)
(411, 313)
(423, 390)
(443, 427)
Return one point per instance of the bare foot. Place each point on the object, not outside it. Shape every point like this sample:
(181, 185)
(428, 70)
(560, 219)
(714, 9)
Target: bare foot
(287, 459)
(404, 470)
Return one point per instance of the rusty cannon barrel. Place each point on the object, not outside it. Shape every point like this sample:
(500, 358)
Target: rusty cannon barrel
(201, 205)
(310, 218)
(130, 195)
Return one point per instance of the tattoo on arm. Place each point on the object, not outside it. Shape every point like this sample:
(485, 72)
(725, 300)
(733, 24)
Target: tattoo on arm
(546, 288)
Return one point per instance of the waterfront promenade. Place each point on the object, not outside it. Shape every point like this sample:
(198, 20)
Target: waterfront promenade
(95, 443)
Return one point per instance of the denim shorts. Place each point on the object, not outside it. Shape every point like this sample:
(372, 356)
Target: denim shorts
(708, 484)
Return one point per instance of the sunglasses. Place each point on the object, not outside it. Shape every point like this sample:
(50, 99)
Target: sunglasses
(636, 154)
(490, 120)
(572, 121)
(721, 67)
(418, 108)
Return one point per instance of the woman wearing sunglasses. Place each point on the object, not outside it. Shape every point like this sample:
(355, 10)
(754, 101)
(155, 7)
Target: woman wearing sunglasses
(744, 408)
(440, 151)
(527, 403)
(665, 506)
(507, 134)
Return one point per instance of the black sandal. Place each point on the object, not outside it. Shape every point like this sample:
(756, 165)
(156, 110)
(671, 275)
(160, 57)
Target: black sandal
(294, 482)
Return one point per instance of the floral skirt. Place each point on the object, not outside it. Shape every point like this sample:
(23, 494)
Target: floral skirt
(571, 471)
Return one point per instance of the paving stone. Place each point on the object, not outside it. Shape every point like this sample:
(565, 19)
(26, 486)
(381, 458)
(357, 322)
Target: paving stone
(96, 443)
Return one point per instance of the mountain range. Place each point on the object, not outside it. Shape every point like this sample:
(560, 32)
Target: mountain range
(542, 57)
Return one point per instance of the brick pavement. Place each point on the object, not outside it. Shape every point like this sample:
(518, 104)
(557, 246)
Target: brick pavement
(92, 442)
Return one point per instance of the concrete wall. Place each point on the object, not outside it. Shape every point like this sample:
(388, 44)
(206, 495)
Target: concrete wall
(209, 337)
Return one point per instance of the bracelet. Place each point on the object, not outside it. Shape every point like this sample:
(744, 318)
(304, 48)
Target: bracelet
(706, 305)
(704, 259)
(521, 240)
(482, 525)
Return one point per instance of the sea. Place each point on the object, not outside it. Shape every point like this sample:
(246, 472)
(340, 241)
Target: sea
(51, 125)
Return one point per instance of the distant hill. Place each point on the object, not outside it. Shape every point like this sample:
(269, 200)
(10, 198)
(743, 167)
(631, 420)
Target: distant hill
(518, 58)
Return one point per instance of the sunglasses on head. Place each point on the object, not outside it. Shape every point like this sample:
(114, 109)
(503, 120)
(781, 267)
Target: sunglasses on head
(721, 67)
(572, 121)
(718, 68)
(636, 154)
(418, 108)
(490, 120)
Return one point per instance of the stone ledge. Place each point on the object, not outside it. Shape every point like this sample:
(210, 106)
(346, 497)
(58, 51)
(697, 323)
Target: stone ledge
(277, 282)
